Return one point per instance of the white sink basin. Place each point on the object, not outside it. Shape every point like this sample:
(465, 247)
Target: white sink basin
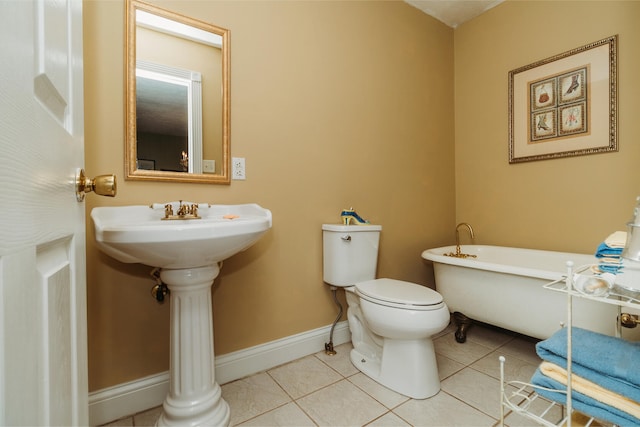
(138, 234)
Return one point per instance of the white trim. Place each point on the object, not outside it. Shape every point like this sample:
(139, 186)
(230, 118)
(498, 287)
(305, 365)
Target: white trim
(125, 399)
(178, 29)
(129, 398)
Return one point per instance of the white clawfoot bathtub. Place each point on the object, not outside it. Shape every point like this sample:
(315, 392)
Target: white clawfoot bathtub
(503, 286)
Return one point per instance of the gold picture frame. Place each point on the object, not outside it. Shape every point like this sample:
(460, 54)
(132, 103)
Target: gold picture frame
(565, 105)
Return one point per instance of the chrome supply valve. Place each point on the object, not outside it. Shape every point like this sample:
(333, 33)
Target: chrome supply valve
(160, 290)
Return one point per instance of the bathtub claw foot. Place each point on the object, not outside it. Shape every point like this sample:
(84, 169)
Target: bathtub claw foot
(463, 324)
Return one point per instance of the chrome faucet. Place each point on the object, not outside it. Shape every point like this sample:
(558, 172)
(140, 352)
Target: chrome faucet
(458, 253)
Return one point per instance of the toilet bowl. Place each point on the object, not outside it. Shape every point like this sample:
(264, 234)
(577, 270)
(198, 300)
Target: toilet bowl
(391, 321)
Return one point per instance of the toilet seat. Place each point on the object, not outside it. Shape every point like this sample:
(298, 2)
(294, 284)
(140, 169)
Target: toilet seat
(399, 294)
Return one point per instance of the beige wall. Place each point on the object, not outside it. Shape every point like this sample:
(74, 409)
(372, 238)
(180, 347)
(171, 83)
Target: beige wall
(333, 104)
(568, 204)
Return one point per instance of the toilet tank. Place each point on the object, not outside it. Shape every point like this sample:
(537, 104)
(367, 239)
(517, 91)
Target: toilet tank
(350, 253)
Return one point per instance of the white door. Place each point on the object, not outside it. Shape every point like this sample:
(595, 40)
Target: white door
(43, 355)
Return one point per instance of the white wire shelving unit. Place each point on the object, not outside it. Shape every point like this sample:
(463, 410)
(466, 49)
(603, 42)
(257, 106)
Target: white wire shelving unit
(522, 398)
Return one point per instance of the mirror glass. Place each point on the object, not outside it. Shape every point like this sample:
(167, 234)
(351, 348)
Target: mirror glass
(177, 97)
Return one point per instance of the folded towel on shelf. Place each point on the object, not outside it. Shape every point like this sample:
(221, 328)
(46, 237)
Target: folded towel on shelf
(591, 389)
(609, 268)
(607, 361)
(616, 239)
(611, 260)
(604, 250)
(586, 397)
(609, 253)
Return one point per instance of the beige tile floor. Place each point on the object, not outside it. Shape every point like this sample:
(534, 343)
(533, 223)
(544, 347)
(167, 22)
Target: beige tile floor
(321, 390)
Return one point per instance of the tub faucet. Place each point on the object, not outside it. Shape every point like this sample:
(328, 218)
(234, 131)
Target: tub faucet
(458, 234)
(458, 253)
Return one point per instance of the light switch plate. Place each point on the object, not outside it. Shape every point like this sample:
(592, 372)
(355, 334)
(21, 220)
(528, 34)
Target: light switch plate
(209, 166)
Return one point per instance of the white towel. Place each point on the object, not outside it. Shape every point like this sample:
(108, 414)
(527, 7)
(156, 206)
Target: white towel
(591, 389)
(616, 239)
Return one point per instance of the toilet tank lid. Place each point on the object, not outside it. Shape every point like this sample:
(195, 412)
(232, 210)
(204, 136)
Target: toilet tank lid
(351, 228)
(400, 292)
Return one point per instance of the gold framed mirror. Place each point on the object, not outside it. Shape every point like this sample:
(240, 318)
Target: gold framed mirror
(177, 97)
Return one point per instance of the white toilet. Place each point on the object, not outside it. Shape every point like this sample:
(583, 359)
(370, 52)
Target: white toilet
(391, 321)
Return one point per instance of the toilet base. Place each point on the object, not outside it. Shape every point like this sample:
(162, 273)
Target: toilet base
(410, 367)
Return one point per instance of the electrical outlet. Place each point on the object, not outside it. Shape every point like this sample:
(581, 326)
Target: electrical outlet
(209, 166)
(238, 171)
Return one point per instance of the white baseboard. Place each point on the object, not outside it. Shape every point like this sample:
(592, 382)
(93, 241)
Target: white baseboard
(125, 399)
(139, 395)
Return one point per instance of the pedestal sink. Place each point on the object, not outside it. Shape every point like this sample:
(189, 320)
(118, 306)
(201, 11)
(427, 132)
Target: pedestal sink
(189, 248)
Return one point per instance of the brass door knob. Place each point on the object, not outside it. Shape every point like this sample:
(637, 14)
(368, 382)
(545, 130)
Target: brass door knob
(103, 185)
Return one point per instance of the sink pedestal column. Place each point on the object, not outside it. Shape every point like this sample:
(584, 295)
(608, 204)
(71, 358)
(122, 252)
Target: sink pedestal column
(194, 399)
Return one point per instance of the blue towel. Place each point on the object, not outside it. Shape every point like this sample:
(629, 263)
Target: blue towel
(607, 361)
(605, 250)
(610, 258)
(582, 402)
(606, 267)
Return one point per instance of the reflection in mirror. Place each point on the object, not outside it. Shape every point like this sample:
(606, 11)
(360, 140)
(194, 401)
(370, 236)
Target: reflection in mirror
(168, 112)
(177, 97)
